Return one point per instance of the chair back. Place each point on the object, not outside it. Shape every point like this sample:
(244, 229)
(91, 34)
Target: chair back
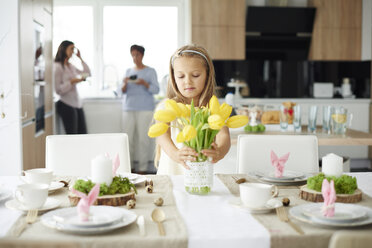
(71, 155)
(254, 152)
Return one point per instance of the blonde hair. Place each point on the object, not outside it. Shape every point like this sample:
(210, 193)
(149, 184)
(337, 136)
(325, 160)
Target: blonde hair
(192, 51)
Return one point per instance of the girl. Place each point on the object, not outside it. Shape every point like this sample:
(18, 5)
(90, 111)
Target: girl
(191, 78)
(66, 77)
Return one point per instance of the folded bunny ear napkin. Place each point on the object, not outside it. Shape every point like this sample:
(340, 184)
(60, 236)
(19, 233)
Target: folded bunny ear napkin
(86, 201)
(329, 196)
(278, 163)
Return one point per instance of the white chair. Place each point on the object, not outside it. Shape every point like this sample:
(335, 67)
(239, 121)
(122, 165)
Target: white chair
(254, 152)
(71, 155)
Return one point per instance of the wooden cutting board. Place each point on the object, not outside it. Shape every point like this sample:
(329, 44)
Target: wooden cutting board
(108, 200)
(315, 196)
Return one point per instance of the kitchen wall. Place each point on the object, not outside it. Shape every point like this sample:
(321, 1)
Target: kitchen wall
(294, 79)
(10, 116)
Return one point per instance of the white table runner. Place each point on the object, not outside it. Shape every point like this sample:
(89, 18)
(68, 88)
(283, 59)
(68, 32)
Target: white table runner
(212, 222)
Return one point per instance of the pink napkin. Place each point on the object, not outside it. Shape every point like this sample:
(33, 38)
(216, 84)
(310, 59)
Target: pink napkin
(278, 163)
(115, 163)
(329, 196)
(86, 201)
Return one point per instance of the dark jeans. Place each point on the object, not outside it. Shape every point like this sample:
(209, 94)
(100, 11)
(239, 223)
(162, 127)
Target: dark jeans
(73, 118)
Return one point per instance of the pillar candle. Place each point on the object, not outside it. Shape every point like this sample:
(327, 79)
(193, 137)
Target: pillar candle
(101, 170)
(332, 165)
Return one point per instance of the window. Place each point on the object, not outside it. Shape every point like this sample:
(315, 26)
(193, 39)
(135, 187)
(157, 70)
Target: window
(110, 28)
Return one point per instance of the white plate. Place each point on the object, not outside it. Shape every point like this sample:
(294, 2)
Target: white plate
(54, 186)
(139, 179)
(297, 213)
(130, 176)
(287, 175)
(98, 216)
(270, 205)
(128, 218)
(260, 176)
(51, 203)
(343, 212)
(5, 194)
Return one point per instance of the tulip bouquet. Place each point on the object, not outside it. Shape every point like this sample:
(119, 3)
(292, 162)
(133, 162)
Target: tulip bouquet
(198, 126)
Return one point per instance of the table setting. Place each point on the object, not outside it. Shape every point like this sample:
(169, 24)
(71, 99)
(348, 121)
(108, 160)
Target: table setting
(53, 217)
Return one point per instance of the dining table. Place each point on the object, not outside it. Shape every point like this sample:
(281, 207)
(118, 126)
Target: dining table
(210, 220)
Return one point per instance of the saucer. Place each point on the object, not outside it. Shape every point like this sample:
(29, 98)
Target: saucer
(50, 203)
(270, 205)
(54, 186)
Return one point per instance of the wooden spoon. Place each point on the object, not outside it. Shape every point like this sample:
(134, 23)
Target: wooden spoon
(158, 216)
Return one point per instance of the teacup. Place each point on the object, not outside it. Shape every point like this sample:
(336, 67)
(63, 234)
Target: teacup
(32, 196)
(39, 175)
(256, 195)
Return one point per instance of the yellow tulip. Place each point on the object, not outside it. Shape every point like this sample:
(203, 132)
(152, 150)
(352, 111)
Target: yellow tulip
(225, 111)
(165, 115)
(214, 105)
(157, 129)
(215, 122)
(237, 121)
(180, 138)
(172, 105)
(189, 132)
(185, 111)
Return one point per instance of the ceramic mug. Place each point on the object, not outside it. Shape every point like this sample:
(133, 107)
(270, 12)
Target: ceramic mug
(31, 196)
(39, 175)
(256, 195)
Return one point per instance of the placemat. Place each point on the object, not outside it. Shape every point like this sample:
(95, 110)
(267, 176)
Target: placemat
(38, 235)
(282, 234)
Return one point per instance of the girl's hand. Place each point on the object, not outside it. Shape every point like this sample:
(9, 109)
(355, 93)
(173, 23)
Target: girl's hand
(213, 153)
(185, 154)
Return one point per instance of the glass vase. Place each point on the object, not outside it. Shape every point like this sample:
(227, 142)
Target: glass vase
(199, 179)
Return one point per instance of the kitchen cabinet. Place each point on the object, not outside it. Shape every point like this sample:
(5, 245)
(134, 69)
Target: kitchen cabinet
(34, 146)
(337, 33)
(35, 30)
(219, 26)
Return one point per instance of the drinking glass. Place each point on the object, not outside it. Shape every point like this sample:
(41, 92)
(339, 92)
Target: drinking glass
(339, 120)
(283, 116)
(297, 118)
(327, 115)
(313, 111)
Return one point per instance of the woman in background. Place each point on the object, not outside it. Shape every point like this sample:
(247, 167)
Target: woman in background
(139, 86)
(66, 77)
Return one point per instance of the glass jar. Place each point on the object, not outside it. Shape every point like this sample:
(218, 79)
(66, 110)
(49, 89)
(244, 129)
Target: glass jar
(199, 179)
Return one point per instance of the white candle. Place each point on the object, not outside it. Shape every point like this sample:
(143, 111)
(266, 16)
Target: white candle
(101, 170)
(332, 165)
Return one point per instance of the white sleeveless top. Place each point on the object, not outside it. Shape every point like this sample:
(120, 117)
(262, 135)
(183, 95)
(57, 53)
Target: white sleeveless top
(166, 165)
